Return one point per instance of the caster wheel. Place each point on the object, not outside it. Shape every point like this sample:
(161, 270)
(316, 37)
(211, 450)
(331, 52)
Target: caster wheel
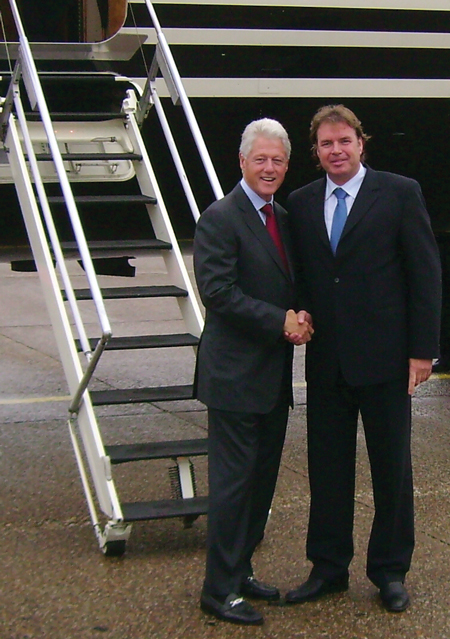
(114, 548)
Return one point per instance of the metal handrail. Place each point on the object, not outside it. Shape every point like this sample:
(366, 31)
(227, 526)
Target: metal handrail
(185, 103)
(175, 155)
(47, 214)
(35, 89)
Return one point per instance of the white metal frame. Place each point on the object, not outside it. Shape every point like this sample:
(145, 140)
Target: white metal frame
(20, 141)
(161, 223)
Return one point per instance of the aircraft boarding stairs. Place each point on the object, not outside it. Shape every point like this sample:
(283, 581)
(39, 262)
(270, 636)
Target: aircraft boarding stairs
(52, 158)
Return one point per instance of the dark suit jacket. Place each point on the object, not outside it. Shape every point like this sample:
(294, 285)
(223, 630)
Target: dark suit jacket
(246, 291)
(377, 302)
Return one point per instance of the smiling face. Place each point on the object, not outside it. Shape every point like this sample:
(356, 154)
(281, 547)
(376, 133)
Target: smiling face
(265, 167)
(339, 150)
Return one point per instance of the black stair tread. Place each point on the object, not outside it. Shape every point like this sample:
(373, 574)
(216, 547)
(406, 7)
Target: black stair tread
(132, 292)
(122, 453)
(164, 508)
(103, 77)
(122, 245)
(76, 117)
(145, 341)
(104, 199)
(88, 157)
(141, 395)
(104, 249)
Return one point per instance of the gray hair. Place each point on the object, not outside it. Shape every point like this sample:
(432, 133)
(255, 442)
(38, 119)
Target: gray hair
(264, 128)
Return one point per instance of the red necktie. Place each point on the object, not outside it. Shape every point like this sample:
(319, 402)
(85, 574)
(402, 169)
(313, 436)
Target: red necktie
(274, 232)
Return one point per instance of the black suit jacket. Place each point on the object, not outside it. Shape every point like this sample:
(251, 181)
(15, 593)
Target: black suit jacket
(377, 302)
(243, 284)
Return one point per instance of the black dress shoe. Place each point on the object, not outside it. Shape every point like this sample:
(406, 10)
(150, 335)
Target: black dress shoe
(315, 588)
(253, 588)
(233, 609)
(394, 596)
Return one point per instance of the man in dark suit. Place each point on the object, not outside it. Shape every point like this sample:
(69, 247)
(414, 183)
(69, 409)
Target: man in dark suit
(374, 296)
(244, 366)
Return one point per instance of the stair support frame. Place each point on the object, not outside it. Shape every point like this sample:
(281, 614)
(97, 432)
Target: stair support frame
(162, 226)
(61, 327)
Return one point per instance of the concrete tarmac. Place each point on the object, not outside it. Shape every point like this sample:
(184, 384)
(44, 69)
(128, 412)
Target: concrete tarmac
(56, 584)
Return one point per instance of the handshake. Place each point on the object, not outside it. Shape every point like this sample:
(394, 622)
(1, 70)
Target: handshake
(298, 327)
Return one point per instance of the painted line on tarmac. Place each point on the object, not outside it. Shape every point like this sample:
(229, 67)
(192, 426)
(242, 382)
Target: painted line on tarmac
(433, 377)
(67, 398)
(34, 400)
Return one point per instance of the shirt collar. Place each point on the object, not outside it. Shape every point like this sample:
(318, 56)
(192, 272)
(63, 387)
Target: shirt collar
(254, 198)
(351, 187)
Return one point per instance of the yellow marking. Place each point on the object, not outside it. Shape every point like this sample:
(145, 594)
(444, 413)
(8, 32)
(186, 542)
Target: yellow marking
(433, 377)
(35, 400)
(67, 398)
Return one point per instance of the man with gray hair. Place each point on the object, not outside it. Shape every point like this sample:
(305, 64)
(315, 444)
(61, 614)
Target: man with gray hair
(244, 275)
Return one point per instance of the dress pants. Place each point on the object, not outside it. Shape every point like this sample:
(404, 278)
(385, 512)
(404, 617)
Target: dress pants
(332, 427)
(244, 453)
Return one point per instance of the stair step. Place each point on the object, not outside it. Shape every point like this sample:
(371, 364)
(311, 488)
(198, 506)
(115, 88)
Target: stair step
(131, 292)
(108, 246)
(120, 454)
(89, 157)
(165, 508)
(141, 395)
(145, 341)
(75, 117)
(97, 78)
(104, 199)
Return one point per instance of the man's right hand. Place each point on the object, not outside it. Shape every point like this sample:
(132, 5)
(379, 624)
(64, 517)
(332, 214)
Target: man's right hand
(298, 328)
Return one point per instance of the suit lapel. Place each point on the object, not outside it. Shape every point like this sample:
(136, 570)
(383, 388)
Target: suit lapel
(316, 211)
(283, 226)
(251, 218)
(367, 195)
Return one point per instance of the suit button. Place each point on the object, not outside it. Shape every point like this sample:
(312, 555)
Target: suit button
(336, 279)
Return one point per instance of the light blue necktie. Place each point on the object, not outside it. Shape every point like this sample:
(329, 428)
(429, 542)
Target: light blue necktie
(339, 218)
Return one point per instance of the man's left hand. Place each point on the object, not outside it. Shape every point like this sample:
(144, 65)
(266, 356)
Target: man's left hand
(419, 371)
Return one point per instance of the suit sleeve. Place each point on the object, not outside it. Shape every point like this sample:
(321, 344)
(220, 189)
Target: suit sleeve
(423, 275)
(218, 274)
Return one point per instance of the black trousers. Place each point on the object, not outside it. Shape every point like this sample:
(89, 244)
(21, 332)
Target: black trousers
(243, 461)
(332, 427)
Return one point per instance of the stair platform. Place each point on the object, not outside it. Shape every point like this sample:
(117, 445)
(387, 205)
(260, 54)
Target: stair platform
(90, 157)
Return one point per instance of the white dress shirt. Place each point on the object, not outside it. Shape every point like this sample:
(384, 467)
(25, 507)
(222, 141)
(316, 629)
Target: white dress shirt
(256, 200)
(351, 187)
